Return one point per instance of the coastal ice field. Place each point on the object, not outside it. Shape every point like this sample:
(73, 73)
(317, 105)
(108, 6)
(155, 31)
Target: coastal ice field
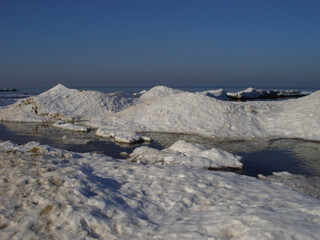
(161, 109)
(49, 193)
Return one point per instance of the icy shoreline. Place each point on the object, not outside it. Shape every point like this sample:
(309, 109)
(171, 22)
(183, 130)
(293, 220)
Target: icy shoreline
(163, 109)
(47, 192)
(52, 193)
(252, 93)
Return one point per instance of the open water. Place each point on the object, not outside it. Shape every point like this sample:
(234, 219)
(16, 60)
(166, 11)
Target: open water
(260, 156)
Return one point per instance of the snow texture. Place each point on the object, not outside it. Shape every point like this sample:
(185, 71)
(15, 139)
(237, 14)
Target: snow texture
(48, 193)
(163, 109)
(306, 184)
(219, 94)
(187, 154)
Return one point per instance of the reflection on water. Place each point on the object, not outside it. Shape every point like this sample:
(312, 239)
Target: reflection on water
(73, 141)
(260, 156)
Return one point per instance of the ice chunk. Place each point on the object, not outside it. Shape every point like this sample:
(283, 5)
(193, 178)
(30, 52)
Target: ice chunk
(70, 126)
(121, 136)
(217, 94)
(187, 154)
(248, 93)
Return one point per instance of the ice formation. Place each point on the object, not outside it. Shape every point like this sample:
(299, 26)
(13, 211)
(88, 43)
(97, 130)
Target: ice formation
(252, 93)
(163, 109)
(48, 193)
(187, 154)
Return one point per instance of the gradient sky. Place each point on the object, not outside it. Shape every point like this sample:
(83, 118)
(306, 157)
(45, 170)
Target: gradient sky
(135, 43)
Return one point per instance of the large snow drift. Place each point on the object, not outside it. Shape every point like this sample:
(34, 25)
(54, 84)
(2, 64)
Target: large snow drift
(162, 109)
(47, 193)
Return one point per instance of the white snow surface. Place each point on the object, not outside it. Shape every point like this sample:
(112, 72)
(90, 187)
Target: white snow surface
(248, 93)
(301, 183)
(219, 94)
(187, 154)
(162, 109)
(159, 92)
(66, 104)
(48, 193)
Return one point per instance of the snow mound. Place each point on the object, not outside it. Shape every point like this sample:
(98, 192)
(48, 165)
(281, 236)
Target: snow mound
(158, 92)
(66, 104)
(219, 94)
(48, 193)
(167, 110)
(189, 113)
(187, 154)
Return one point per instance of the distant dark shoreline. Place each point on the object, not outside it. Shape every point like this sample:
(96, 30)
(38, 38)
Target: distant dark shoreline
(8, 90)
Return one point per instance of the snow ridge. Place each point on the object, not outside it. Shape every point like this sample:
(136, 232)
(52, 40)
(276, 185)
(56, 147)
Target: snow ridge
(163, 109)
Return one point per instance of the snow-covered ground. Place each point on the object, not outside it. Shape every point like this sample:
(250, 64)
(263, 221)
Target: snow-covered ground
(162, 109)
(307, 184)
(48, 193)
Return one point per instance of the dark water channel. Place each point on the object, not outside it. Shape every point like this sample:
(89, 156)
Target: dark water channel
(260, 156)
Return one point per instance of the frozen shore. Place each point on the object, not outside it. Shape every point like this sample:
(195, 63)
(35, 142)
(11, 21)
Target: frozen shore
(47, 193)
(163, 109)
(252, 93)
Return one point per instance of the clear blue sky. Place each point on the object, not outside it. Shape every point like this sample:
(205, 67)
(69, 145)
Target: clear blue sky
(261, 43)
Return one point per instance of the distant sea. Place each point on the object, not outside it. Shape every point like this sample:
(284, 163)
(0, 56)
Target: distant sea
(36, 91)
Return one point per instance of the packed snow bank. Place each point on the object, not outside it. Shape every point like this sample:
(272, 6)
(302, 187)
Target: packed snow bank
(66, 104)
(187, 154)
(306, 184)
(252, 93)
(296, 118)
(52, 193)
(163, 109)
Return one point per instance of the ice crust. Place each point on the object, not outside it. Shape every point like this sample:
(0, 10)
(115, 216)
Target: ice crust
(187, 154)
(48, 193)
(163, 109)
